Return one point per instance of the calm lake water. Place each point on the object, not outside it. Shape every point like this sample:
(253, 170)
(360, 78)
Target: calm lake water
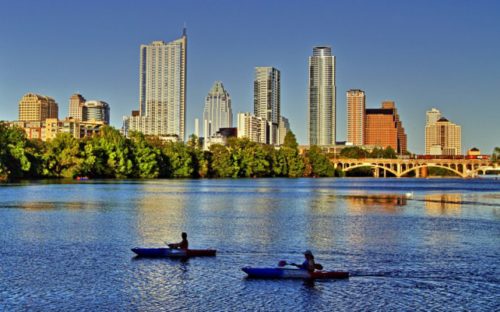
(66, 246)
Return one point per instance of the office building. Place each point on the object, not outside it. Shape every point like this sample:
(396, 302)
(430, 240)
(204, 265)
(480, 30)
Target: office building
(36, 107)
(95, 111)
(442, 137)
(322, 97)
(284, 127)
(267, 100)
(356, 116)
(218, 112)
(251, 127)
(383, 128)
(162, 90)
(76, 102)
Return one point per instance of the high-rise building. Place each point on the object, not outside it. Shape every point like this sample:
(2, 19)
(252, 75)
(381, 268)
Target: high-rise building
(442, 137)
(76, 102)
(36, 107)
(356, 116)
(95, 111)
(218, 112)
(432, 116)
(162, 90)
(284, 127)
(322, 97)
(251, 127)
(267, 100)
(383, 128)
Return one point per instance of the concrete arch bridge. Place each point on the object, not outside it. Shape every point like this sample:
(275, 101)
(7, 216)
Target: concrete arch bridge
(464, 168)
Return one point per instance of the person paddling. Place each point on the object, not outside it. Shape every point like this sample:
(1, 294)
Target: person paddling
(184, 244)
(309, 263)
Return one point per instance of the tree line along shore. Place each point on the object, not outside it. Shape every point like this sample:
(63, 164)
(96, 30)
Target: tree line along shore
(109, 154)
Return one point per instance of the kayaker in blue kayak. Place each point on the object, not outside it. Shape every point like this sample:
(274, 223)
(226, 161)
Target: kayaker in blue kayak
(309, 263)
(182, 245)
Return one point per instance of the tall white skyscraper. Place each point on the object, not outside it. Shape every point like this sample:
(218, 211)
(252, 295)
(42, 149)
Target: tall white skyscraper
(267, 99)
(322, 97)
(218, 112)
(162, 89)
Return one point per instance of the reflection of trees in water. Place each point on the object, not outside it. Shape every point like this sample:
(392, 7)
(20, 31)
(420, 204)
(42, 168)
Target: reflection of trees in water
(361, 203)
(443, 204)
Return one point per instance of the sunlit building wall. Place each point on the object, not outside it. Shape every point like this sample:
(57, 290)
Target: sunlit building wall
(76, 102)
(162, 90)
(218, 112)
(384, 129)
(355, 116)
(36, 107)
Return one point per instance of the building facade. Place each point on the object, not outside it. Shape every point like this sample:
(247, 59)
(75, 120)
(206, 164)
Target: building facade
(442, 137)
(267, 99)
(217, 112)
(252, 127)
(36, 107)
(95, 111)
(162, 90)
(384, 129)
(284, 128)
(76, 102)
(356, 102)
(322, 97)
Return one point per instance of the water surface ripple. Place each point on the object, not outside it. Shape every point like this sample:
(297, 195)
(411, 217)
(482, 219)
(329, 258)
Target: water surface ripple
(66, 245)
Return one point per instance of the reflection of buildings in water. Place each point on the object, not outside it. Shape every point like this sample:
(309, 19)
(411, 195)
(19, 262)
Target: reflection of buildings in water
(322, 227)
(443, 204)
(362, 203)
(161, 213)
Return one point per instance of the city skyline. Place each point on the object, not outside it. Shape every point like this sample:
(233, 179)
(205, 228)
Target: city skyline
(411, 65)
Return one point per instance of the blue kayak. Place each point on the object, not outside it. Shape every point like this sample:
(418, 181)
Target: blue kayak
(287, 273)
(173, 253)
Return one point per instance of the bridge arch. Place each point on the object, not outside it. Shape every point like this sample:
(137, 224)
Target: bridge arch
(371, 166)
(429, 166)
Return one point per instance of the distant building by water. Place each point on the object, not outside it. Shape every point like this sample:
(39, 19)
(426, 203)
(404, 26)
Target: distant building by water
(356, 116)
(162, 90)
(251, 127)
(322, 97)
(442, 137)
(76, 102)
(36, 107)
(218, 111)
(95, 111)
(383, 128)
(267, 100)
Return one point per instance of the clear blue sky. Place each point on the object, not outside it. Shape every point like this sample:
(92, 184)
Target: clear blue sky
(421, 54)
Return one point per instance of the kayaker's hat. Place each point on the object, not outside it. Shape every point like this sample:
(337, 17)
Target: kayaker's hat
(308, 252)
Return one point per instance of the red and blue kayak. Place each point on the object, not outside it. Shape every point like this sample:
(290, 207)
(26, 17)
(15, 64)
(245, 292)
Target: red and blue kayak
(173, 253)
(287, 273)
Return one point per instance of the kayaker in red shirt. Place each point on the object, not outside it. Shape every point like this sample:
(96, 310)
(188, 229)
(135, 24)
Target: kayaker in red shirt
(184, 244)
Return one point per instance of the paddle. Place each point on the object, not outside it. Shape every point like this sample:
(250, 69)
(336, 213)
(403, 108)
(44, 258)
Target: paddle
(282, 263)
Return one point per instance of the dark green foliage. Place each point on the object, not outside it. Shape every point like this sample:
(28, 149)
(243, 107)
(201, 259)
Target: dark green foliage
(495, 156)
(354, 152)
(320, 165)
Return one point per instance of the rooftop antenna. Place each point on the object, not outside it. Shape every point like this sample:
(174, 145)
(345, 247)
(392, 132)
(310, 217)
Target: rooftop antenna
(184, 34)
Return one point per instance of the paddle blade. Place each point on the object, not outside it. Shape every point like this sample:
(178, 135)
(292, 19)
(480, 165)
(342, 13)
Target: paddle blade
(282, 263)
(318, 266)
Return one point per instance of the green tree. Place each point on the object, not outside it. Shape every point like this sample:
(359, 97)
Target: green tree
(14, 161)
(62, 156)
(353, 152)
(146, 158)
(319, 162)
(290, 140)
(180, 158)
(221, 165)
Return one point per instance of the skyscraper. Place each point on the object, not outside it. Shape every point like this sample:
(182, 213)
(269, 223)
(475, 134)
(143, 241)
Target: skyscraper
(95, 111)
(36, 107)
(442, 137)
(76, 102)
(162, 90)
(218, 112)
(267, 99)
(355, 116)
(322, 97)
(383, 128)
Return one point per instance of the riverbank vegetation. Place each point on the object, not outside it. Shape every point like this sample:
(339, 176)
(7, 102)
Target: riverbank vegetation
(111, 155)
